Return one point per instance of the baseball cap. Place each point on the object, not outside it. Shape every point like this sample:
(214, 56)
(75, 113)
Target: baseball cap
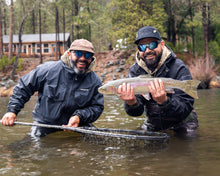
(82, 45)
(147, 32)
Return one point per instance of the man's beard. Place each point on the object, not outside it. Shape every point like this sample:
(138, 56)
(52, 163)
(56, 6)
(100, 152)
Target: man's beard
(76, 70)
(152, 63)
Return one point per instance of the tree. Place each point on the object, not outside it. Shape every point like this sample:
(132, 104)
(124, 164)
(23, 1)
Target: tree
(57, 30)
(129, 15)
(89, 25)
(4, 18)
(11, 31)
(12, 75)
(205, 25)
(1, 41)
(41, 60)
(192, 27)
(33, 21)
(64, 29)
(25, 13)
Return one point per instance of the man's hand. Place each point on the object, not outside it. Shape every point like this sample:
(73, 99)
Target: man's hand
(126, 92)
(8, 119)
(73, 122)
(157, 91)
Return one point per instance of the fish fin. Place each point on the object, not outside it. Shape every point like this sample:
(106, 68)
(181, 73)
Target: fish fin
(191, 88)
(147, 96)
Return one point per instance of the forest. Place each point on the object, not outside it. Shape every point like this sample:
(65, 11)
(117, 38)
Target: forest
(191, 26)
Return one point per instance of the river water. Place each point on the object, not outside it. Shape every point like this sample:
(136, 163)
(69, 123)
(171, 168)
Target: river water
(65, 153)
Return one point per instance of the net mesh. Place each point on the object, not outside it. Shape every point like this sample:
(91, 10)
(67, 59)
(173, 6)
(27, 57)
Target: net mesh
(133, 138)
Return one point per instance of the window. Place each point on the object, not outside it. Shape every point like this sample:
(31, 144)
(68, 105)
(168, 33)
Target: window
(46, 50)
(46, 45)
(24, 51)
(6, 49)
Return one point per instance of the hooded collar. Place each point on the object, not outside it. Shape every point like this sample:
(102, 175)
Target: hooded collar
(166, 54)
(65, 59)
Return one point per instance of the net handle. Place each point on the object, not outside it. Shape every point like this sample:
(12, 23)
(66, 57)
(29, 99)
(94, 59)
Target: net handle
(103, 131)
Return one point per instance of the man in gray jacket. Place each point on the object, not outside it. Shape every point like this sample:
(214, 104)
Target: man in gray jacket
(67, 91)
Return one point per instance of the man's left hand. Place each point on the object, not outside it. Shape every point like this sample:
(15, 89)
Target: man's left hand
(73, 122)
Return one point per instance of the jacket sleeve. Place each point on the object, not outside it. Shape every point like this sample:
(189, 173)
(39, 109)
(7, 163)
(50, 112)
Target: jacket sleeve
(91, 113)
(26, 87)
(179, 104)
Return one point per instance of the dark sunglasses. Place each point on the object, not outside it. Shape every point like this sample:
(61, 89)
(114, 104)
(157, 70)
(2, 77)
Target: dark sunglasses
(80, 54)
(151, 46)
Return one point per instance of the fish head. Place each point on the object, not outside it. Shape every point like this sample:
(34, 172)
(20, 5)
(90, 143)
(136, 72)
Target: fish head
(107, 89)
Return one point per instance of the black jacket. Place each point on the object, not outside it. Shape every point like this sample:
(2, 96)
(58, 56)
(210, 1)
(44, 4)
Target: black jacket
(61, 94)
(176, 108)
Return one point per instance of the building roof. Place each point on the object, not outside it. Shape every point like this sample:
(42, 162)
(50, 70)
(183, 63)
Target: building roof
(34, 38)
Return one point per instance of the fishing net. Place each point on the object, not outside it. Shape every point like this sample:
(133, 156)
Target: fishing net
(135, 138)
(115, 137)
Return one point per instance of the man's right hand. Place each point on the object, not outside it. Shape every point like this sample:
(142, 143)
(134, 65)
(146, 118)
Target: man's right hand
(8, 119)
(126, 92)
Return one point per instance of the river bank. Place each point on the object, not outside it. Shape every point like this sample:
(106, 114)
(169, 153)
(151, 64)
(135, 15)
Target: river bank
(110, 65)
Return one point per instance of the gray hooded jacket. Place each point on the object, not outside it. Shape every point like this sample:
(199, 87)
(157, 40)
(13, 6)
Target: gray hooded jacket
(61, 93)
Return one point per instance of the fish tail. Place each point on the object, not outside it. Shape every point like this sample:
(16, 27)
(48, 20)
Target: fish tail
(191, 88)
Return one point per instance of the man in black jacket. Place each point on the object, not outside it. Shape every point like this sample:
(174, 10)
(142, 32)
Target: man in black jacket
(163, 110)
(67, 91)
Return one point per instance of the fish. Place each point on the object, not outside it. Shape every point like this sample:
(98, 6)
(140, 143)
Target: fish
(141, 83)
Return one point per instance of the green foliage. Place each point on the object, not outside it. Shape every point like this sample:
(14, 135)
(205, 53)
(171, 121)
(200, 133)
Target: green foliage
(214, 50)
(20, 63)
(128, 16)
(105, 21)
(169, 44)
(4, 62)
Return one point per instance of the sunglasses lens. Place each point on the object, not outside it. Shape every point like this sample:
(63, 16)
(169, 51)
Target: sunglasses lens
(88, 55)
(78, 53)
(151, 46)
(142, 47)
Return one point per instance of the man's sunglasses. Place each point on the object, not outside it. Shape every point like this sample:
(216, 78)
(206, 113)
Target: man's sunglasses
(151, 46)
(80, 54)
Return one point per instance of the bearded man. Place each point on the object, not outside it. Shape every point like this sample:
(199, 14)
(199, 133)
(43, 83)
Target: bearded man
(162, 110)
(67, 91)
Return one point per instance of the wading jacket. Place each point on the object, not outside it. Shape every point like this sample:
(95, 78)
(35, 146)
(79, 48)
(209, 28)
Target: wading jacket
(178, 105)
(61, 94)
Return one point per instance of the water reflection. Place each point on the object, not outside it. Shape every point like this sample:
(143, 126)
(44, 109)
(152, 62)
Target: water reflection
(65, 153)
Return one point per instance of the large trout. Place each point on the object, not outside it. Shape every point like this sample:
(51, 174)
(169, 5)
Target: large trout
(140, 85)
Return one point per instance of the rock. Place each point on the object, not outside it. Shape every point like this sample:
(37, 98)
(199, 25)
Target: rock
(6, 92)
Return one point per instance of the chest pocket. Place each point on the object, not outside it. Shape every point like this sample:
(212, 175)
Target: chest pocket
(82, 96)
(52, 100)
(56, 93)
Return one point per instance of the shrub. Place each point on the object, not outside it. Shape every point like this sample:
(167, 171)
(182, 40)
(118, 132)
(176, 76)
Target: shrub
(200, 71)
(20, 63)
(3, 62)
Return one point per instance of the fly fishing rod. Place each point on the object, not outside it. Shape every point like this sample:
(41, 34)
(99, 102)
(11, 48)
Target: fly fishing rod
(104, 135)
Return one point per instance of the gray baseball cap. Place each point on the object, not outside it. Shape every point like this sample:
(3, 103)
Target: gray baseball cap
(147, 32)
